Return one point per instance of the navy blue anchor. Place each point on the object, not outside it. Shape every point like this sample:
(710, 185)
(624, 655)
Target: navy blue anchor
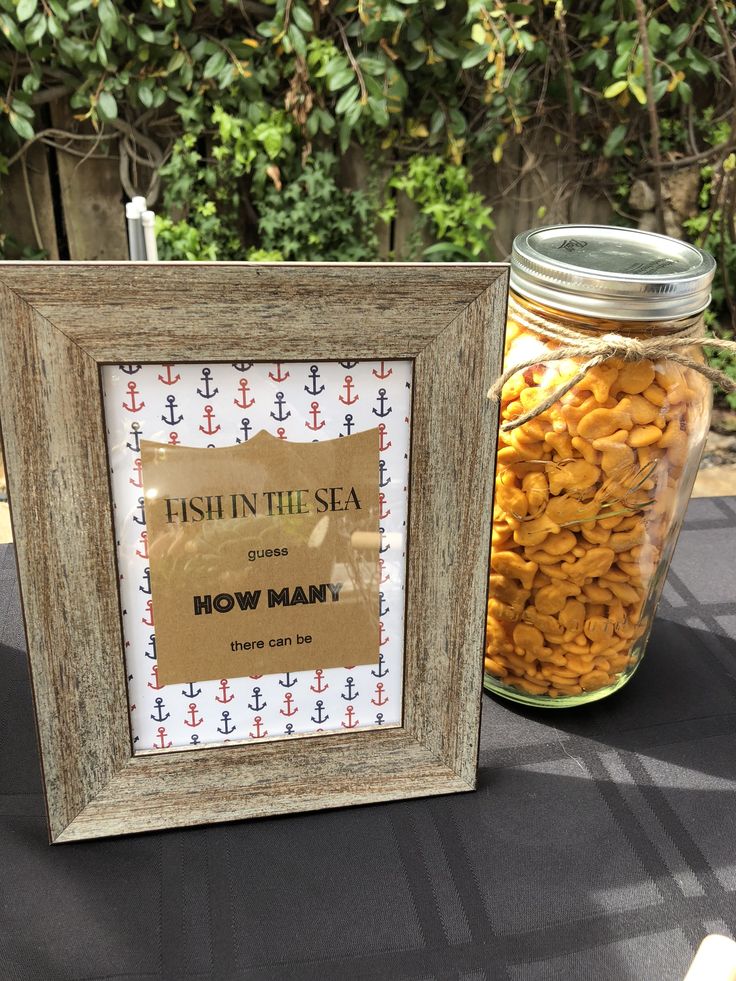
(279, 402)
(207, 394)
(314, 372)
(146, 588)
(257, 699)
(351, 694)
(383, 480)
(242, 365)
(226, 722)
(160, 717)
(379, 719)
(381, 399)
(318, 708)
(289, 683)
(152, 653)
(130, 369)
(381, 672)
(135, 432)
(289, 731)
(348, 424)
(171, 402)
(142, 509)
(191, 693)
(195, 739)
(382, 547)
(246, 428)
(382, 608)
(348, 364)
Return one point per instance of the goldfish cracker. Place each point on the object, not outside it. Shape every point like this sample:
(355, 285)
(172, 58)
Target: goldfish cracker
(586, 494)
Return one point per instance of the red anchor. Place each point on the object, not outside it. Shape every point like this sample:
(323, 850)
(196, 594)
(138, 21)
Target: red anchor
(380, 698)
(132, 708)
(349, 724)
(162, 736)
(149, 607)
(257, 723)
(281, 432)
(133, 389)
(383, 373)
(290, 709)
(314, 425)
(318, 678)
(246, 403)
(174, 438)
(168, 380)
(137, 468)
(278, 377)
(144, 542)
(384, 638)
(381, 433)
(209, 431)
(348, 386)
(193, 716)
(383, 578)
(255, 677)
(382, 500)
(225, 697)
(154, 673)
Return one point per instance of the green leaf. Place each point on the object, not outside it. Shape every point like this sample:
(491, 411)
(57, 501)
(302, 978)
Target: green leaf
(107, 105)
(616, 89)
(21, 126)
(11, 32)
(35, 29)
(214, 64)
(26, 9)
(353, 114)
(31, 83)
(686, 92)
(372, 66)
(349, 96)
(475, 57)
(660, 89)
(108, 15)
(302, 18)
(444, 48)
(297, 39)
(145, 33)
(339, 79)
(638, 92)
(22, 108)
(145, 94)
(615, 142)
(59, 10)
(77, 6)
(175, 62)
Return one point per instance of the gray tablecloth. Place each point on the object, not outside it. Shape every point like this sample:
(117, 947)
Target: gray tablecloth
(601, 842)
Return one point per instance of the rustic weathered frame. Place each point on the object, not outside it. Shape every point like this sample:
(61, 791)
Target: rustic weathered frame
(62, 321)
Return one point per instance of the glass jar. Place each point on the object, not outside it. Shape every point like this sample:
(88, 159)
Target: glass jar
(591, 492)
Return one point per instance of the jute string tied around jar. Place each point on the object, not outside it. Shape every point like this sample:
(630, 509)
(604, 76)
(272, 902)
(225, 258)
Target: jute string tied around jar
(599, 348)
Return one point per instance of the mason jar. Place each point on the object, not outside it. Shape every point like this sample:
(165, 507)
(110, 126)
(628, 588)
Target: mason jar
(590, 493)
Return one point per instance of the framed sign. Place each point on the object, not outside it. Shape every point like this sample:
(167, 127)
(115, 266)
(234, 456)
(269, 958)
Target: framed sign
(251, 506)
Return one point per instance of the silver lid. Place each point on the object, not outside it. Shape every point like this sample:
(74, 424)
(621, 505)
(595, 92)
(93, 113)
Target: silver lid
(611, 273)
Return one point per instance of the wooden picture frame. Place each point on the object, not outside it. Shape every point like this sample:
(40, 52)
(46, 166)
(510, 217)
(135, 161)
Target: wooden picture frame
(60, 323)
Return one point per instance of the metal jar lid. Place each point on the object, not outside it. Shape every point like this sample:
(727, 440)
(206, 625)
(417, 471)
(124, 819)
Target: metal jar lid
(611, 273)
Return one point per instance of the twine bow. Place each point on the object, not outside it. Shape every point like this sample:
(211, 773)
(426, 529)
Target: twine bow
(597, 349)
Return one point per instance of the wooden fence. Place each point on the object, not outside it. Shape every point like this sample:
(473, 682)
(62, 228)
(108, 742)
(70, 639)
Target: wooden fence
(72, 208)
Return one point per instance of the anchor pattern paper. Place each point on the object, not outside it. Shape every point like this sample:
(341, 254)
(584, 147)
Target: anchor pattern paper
(218, 405)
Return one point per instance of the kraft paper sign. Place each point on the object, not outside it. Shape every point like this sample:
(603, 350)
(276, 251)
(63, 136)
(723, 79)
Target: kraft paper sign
(263, 556)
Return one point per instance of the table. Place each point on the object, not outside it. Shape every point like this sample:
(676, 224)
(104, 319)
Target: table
(600, 842)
